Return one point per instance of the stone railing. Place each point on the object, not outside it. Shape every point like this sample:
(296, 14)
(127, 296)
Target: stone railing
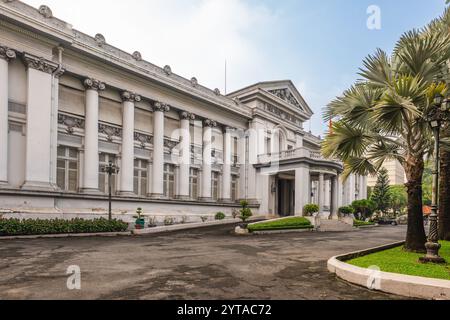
(291, 154)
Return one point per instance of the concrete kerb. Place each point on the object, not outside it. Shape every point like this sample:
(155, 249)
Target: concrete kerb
(399, 284)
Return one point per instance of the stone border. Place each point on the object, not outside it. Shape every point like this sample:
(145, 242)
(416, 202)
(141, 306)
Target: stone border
(398, 284)
(267, 232)
(68, 235)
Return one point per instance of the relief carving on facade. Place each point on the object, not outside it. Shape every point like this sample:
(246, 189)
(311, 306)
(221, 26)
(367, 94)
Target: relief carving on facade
(130, 97)
(137, 56)
(287, 96)
(194, 81)
(210, 123)
(143, 139)
(70, 122)
(7, 53)
(39, 63)
(184, 115)
(161, 107)
(45, 11)
(100, 39)
(109, 131)
(168, 70)
(92, 84)
(281, 114)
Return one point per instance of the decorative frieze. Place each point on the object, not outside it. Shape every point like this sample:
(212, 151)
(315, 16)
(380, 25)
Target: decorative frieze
(171, 144)
(7, 53)
(209, 123)
(282, 114)
(184, 115)
(92, 84)
(143, 139)
(130, 97)
(161, 107)
(286, 95)
(70, 122)
(39, 63)
(109, 131)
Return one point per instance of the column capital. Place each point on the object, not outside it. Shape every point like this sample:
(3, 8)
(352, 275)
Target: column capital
(93, 84)
(7, 53)
(184, 115)
(209, 123)
(161, 107)
(128, 96)
(39, 63)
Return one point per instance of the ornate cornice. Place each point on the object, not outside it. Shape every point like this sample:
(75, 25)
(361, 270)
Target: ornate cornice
(92, 84)
(130, 97)
(7, 53)
(161, 107)
(184, 115)
(39, 63)
(209, 123)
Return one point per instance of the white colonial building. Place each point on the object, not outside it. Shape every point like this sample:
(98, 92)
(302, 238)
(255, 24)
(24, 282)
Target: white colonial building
(70, 104)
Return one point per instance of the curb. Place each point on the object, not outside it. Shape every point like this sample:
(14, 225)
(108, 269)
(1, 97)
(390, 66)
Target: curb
(67, 235)
(267, 232)
(393, 283)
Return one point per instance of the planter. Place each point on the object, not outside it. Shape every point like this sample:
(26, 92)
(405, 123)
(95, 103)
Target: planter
(243, 225)
(139, 224)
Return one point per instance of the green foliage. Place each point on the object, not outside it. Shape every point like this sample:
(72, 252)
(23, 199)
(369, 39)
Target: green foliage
(16, 227)
(381, 192)
(359, 223)
(427, 183)
(399, 199)
(364, 207)
(310, 209)
(400, 261)
(245, 213)
(283, 224)
(220, 216)
(346, 210)
(138, 215)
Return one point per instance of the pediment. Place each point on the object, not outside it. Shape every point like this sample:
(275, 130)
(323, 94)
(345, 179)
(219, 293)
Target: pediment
(286, 95)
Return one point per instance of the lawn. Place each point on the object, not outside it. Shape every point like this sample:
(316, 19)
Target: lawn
(398, 261)
(359, 223)
(284, 224)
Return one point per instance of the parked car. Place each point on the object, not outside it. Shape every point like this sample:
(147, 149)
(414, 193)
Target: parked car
(386, 221)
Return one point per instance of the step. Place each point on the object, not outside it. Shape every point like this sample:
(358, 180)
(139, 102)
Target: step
(334, 226)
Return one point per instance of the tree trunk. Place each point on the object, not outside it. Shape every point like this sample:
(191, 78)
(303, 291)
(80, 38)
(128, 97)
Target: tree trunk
(415, 237)
(444, 197)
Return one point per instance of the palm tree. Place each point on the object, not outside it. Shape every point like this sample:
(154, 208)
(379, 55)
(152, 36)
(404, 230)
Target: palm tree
(382, 117)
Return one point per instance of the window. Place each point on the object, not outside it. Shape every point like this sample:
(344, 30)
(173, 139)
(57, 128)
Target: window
(269, 145)
(215, 185)
(140, 177)
(103, 185)
(67, 169)
(234, 179)
(193, 183)
(169, 180)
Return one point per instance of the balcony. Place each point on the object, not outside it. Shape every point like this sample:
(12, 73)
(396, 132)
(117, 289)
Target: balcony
(292, 154)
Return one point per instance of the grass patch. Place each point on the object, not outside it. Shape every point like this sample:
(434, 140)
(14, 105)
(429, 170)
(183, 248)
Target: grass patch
(284, 224)
(397, 260)
(359, 223)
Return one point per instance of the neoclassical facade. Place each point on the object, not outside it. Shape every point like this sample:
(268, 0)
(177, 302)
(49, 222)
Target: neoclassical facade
(71, 104)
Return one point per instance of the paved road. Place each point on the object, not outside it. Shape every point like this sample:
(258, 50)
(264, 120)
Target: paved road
(207, 263)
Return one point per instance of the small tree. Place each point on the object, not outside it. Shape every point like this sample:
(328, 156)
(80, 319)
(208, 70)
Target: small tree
(364, 207)
(399, 199)
(245, 212)
(381, 193)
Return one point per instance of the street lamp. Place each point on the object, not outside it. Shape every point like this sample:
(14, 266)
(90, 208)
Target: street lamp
(439, 112)
(110, 169)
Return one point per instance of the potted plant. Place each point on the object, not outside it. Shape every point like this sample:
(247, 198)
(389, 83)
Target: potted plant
(346, 211)
(140, 221)
(310, 209)
(245, 214)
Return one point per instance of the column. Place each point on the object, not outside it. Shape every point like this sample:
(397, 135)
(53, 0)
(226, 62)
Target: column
(226, 172)
(351, 188)
(38, 162)
(91, 159)
(6, 55)
(327, 193)
(207, 159)
(185, 155)
(252, 160)
(158, 150)
(334, 197)
(127, 166)
(320, 192)
(364, 187)
(302, 189)
(242, 165)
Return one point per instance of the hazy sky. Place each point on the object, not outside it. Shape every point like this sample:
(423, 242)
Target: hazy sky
(319, 45)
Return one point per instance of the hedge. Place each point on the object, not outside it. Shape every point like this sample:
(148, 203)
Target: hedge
(284, 224)
(17, 227)
(359, 223)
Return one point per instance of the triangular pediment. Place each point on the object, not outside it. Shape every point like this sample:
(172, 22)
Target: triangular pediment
(286, 95)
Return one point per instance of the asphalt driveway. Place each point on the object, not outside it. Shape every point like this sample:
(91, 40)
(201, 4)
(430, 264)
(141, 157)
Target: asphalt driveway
(209, 263)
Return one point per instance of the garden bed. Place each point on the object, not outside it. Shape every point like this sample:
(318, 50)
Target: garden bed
(293, 223)
(359, 223)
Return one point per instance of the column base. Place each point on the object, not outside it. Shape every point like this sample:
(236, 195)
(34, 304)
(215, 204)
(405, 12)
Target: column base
(183, 198)
(91, 191)
(226, 200)
(39, 186)
(206, 199)
(129, 194)
(156, 196)
(5, 185)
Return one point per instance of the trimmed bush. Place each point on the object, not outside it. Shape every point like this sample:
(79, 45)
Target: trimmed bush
(284, 224)
(346, 210)
(310, 209)
(220, 216)
(17, 227)
(245, 213)
(359, 223)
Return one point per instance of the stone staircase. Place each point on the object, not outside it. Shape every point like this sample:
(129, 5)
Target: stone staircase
(334, 226)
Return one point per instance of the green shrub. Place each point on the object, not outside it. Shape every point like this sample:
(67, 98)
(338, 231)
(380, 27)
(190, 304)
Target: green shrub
(17, 227)
(245, 213)
(359, 223)
(310, 209)
(346, 210)
(364, 207)
(284, 224)
(220, 216)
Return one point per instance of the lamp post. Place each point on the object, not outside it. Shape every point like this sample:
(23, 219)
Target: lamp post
(110, 169)
(439, 112)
